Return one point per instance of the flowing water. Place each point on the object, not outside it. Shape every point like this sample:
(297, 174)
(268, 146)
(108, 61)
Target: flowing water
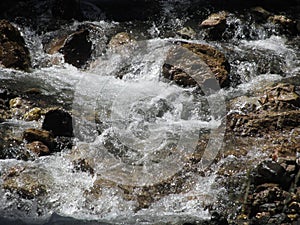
(138, 130)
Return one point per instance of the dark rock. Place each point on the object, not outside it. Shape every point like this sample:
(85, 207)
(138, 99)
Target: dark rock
(215, 61)
(287, 25)
(260, 13)
(218, 219)
(13, 51)
(277, 219)
(59, 122)
(77, 48)
(33, 135)
(271, 172)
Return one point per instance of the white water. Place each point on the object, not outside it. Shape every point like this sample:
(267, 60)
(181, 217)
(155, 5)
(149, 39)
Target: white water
(142, 112)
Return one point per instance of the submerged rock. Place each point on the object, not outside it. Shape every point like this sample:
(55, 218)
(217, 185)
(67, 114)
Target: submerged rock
(59, 122)
(13, 51)
(29, 183)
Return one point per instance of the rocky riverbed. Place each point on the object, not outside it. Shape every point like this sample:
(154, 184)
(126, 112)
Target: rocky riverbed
(149, 112)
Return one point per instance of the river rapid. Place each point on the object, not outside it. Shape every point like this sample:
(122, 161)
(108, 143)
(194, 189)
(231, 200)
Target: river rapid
(136, 134)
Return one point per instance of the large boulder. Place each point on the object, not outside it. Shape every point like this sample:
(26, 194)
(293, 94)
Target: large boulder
(215, 61)
(13, 51)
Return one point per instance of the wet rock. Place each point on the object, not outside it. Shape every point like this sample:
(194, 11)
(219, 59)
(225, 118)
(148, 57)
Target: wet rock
(186, 32)
(271, 172)
(33, 114)
(83, 165)
(280, 97)
(16, 102)
(28, 183)
(214, 59)
(215, 19)
(260, 13)
(218, 219)
(278, 111)
(287, 25)
(38, 148)
(75, 46)
(59, 122)
(120, 39)
(13, 51)
(216, 25)
(46, 137)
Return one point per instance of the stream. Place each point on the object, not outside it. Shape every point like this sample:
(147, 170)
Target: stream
(138, 133)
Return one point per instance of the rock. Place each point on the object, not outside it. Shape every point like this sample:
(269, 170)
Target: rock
(83, 165)
(33, 135)
(215, 19)
(214, 59)
(16, 102)
(271, 172)
(33, 114)
(218, 219)
(77, 48)
(38, 148)
(59, 122)
(280, 97)
(187, 33)
(120, 39)
(287, 25)
(28, 183)
(260, 13)
(216, 23)
(13, 51)
(279, 110)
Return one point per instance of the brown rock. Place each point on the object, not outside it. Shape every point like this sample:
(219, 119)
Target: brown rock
(280, 97)
(213, 61)
(120, 39)
(33, 135)
(38, 148)
(28, 183)
(13, 51)
(215, 19)
(216, 24)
